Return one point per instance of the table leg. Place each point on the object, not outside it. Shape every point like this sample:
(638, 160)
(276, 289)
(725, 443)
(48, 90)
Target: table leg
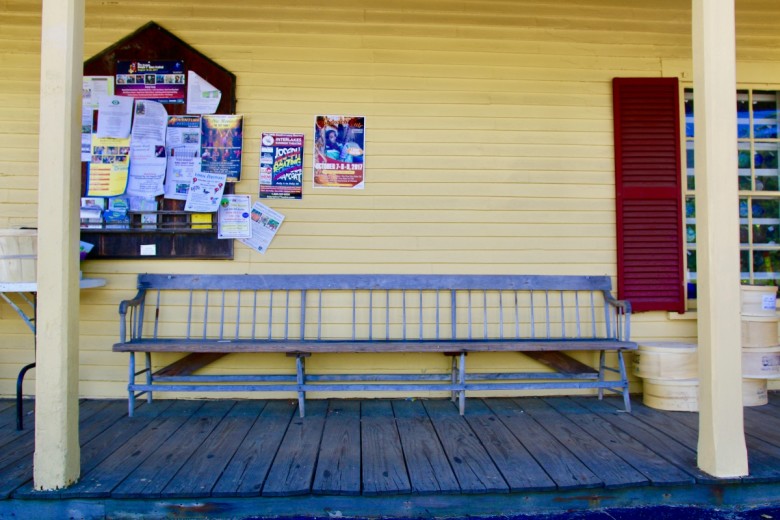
(19, 404)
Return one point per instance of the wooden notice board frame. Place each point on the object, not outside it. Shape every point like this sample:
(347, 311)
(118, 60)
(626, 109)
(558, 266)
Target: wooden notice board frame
(175, 236)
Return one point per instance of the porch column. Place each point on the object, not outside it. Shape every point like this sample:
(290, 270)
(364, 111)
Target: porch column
(56, 462)
(721, 450)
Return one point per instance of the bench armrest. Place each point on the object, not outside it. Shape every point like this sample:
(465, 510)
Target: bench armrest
(134, 307)
(622, 317)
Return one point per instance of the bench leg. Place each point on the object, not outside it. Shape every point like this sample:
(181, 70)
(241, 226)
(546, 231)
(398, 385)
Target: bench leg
(130, 382)
(300, 365)
(454, 378)
(149, 375)
(462, 381)
(602, 367)
(624, 381)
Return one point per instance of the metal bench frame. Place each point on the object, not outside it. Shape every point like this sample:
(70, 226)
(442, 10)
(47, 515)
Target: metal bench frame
(543, 317)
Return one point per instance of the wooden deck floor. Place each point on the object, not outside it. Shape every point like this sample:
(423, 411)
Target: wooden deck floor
(176, 449)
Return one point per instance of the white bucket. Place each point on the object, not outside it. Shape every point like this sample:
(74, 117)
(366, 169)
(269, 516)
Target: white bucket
(761, 363)
(666, 360)
(675, 395)
(759, 300)
(754, 392)
(18, 255)
(759, 331)
(683, 395)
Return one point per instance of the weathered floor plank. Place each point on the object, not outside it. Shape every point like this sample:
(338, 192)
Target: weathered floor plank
(763, 458)
(427, 464)
(293, 469)
(518, 467)
(565, 469)
(384, 470)
(338, 465)
(245, 474)
(126, 457)
(606, 464)
(149, 479)
(198, 475)
(475, 470)
(602, 424)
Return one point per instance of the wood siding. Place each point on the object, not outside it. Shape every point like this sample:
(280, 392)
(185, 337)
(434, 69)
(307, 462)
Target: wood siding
(489, 140)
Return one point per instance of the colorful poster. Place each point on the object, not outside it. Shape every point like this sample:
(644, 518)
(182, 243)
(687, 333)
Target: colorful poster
(233, 217)
(265, 224)
(221, 140)
(108, 169)
(182, 143)
(281, 166)
(339, 145)
(159, 80)
(205, 193)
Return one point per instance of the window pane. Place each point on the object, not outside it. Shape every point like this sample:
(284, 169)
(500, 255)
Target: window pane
(764, 115)
(689, 162)
(690, 220)
(766, 220)
(744, 266)
(743, 158)
(765, 163)
(743, 115)
(688, 112)
(691, 253)
(765, 267)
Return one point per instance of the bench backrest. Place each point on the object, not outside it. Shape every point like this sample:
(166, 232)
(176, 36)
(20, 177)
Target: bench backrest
(378, 307)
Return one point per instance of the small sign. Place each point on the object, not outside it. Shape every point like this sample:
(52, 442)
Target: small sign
(162, 81)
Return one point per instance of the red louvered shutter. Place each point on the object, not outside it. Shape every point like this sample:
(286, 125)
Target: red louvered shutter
(649, 193)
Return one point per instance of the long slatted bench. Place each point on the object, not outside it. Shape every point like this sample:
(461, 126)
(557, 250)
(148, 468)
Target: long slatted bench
(209, 316)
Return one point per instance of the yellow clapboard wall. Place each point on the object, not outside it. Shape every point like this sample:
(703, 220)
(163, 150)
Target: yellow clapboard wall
(488, 142)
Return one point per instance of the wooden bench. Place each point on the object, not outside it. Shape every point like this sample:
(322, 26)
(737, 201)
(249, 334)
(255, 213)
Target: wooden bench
(210, 316)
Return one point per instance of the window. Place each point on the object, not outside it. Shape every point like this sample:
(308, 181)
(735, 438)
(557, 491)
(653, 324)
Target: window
(758, 144)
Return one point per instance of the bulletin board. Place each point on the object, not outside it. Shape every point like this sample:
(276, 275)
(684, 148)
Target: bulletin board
(175, 235)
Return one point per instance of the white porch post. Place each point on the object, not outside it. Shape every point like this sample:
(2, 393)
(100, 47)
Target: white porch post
(56, 462)
(722, 450)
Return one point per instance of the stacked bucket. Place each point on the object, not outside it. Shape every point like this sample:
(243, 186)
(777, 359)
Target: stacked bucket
(670, 370)
(760, 349)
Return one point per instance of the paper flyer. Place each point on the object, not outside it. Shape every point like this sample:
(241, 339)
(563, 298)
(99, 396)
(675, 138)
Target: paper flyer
(281, 166)
(108, 170)
(202, 96)
(147, 150)
(147, 170)
(233, 217)
(182, 143)
(115, 115)
(339, 146)
(94, 88)
(265, 224)
(205, 193)
(221, 141)
(160, 80)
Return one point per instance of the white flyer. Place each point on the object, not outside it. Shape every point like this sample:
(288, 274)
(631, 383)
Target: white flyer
(233, 217)
(182, 143)
(205, 193)
(202, 96)
(150, 122)
(147, 170)
(115, 115)
(265, 224)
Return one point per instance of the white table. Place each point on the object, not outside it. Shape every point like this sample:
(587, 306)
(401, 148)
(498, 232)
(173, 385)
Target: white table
(22, 297)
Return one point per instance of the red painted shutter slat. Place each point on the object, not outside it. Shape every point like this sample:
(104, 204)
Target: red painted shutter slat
(649, 193)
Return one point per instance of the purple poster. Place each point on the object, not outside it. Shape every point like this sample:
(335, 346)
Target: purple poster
(161, 81)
